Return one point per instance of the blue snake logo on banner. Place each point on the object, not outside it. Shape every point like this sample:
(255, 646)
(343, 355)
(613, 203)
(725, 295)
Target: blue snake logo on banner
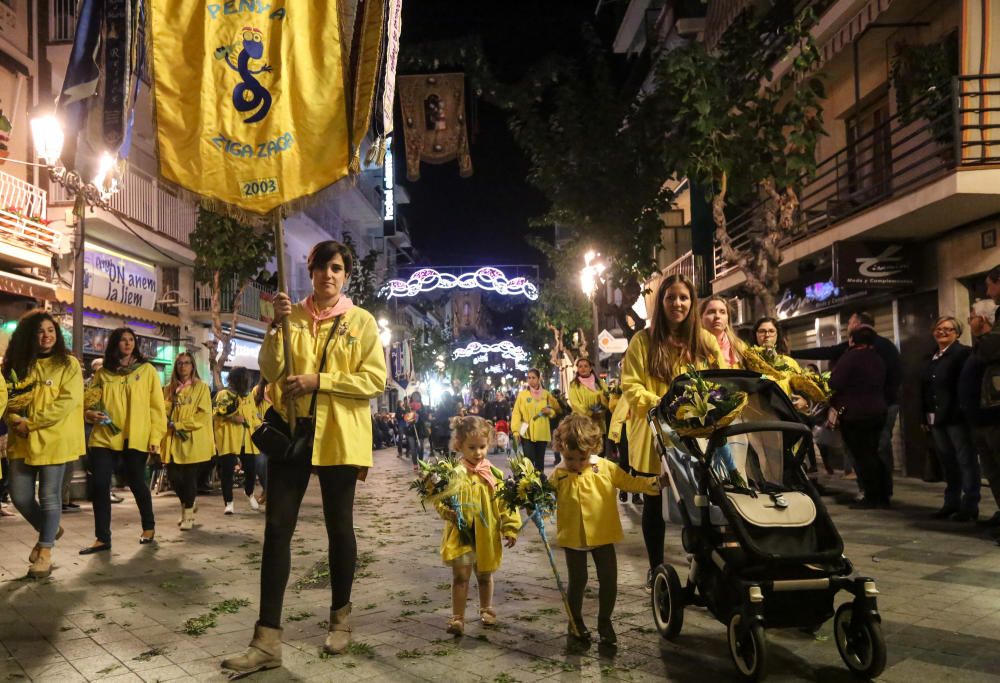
(248, 95)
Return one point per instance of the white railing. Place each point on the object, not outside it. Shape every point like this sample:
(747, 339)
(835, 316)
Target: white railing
(249, 302)
(22, 215)
(62, 21)
(142, 199)
(685, 265)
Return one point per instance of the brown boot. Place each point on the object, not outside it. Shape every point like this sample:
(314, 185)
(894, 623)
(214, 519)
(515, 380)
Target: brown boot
(339, 636)
(33, 555)
(187, 520)
(42, 566)
(264, 652)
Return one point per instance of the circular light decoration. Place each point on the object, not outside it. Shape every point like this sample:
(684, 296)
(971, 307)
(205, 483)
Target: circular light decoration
(488, 279)
(479, 351)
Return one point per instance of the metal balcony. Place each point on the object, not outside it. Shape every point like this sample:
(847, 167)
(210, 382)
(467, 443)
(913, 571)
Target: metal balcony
(934, 138)
(23, 228)
(62, 21)
(249, 302)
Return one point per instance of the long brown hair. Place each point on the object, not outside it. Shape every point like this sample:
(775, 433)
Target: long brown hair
(688, 333)
(734, 341)
(175, 379)
(23, 351)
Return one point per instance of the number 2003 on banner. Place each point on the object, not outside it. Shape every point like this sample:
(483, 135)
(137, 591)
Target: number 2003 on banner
(261, 187)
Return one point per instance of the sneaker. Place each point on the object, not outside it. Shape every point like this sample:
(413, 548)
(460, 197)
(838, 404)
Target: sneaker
(116, 498)
(229, 508)
(254, 505)
(623, 497)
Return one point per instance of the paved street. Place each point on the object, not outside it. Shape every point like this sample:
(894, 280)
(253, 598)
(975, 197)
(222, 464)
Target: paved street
(133, 615)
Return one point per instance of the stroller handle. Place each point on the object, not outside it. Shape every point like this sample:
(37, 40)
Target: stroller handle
(723, 433)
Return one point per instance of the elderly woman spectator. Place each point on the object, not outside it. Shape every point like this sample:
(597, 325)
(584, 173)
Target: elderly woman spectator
(939, 395)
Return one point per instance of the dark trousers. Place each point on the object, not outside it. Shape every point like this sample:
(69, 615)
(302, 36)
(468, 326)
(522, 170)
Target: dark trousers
(287, 485)
(861, 436)
(607, 581)
(227, 466)
(959, 465)
(654, 527)
(184, 481)
(535, 452)
(132, 464)
(987, 442)
(414, 444)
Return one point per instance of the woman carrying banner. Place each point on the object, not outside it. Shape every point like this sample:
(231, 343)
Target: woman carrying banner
(339, 366)
(128, 420)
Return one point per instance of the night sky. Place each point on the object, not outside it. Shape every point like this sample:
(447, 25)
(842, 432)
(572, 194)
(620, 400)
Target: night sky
(483, 219)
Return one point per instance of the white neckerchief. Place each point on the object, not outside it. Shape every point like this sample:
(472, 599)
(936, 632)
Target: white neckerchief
(942, 352)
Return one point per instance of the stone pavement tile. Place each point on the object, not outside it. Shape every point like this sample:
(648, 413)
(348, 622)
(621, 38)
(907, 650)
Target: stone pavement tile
(911, 670)
(968, 577)
(99, 665)
(124, 678)
(206, 669)
(79, 648)
(171, 672)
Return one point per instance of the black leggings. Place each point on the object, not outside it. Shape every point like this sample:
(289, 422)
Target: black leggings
(184, 481)
(654, 527)
(103, 462)
(607, 581)
(227, 466)
(287, 485)
(535, 452)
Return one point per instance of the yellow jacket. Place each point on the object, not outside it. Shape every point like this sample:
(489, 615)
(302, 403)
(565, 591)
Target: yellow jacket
(134, 402)
(527, 410)
(618, 420)
(642, 391)
(232, 438)
(354, 374)
(55, 416)
(3, 407)
(582, 399)
(587, 503)
(490, 520)
(191, 412)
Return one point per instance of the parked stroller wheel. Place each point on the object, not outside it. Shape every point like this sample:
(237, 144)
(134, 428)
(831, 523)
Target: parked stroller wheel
(860, 642)
(668, 602)
(748, 648)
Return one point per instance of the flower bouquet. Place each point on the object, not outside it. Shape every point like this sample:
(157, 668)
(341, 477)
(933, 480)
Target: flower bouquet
(438, 484)
(19, 395)
(815, 386)
(703, 407)
(529, 489)
(227, 404)
(93, 400)
(767, 361)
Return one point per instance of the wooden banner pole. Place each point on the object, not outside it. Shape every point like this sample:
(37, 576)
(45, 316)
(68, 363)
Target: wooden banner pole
(286, 341)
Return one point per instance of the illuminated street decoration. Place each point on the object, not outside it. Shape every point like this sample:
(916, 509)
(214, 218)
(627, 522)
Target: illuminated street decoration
(506, 349)
(488, 279)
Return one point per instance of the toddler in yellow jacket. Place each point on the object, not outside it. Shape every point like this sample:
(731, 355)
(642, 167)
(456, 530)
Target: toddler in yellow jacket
(487, 526)
(587, 518)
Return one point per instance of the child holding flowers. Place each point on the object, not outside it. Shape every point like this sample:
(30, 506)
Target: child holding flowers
(587, 518)
(476, 527)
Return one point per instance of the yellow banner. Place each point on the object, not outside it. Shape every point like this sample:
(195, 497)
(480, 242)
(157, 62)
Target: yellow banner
(249, 96)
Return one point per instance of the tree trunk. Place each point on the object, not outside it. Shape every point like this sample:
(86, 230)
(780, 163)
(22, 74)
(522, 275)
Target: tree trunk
(222, 343)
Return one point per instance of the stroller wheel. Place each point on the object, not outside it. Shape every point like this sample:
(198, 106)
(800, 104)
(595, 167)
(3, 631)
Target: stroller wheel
(748, 648)
(860, 642)
(668, 602)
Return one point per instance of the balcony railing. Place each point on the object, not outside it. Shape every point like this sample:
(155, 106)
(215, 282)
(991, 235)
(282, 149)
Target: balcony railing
(249, 302)
(22, 212)
(146, 201)
(933, 137)
(62, 21)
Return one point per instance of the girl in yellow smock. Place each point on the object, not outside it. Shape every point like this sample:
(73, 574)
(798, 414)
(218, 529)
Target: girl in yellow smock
(587, 518)
(715, 318)
(588, 395)
(189, 441)
(235, 419)
(45, 427)
(487, 525)
(129, 422)
(655, 356)
(533, 408)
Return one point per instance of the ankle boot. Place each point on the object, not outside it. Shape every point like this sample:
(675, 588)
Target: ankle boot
(339, 636)
(42, 566)
(187, 520)
(264, 652)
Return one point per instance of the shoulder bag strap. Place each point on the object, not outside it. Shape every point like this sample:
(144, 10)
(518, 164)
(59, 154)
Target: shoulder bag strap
(322, 364)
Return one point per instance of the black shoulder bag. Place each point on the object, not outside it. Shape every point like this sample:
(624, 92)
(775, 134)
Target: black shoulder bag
(274, 438)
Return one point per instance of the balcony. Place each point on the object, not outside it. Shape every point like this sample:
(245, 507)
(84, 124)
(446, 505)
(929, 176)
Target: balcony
(144, 200)
(62, 21)
(937, 147)
(27, 239)
(249, 301)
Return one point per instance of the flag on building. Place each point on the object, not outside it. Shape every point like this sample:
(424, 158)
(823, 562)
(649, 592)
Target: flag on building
(434, 128)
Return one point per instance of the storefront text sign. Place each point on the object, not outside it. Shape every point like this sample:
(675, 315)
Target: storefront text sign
(872, 265)
(115, 277)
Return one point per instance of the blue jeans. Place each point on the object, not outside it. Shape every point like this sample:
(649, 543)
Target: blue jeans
(959, 465)
(44, 512)
(885, 441)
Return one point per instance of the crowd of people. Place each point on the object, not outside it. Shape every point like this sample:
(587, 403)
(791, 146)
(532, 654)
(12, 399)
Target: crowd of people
(332, 364)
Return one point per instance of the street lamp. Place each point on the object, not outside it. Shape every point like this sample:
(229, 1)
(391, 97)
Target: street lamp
(590, 281)
(47, 134)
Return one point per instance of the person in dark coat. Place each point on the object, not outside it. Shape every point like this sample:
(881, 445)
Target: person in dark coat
(984, 423)
(939, 396)
(889, 354)
(858, 382)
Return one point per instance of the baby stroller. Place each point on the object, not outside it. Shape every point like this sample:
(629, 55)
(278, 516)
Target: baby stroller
(765, 553)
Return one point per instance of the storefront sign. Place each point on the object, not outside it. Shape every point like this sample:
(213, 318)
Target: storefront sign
(116, 277)
(872, 265)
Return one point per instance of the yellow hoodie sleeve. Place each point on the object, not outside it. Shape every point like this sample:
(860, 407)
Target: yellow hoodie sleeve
(366, 381)
(3, 395)
(70, 398)
(515, 415)
(202, 415)
(635, 375)
(157, 409)
(627, 482)
(618, 419)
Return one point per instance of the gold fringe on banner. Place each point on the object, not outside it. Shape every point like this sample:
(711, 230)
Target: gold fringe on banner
(368, 50)
(376, 153)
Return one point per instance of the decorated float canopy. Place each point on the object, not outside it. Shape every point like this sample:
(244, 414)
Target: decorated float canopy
(488, 279)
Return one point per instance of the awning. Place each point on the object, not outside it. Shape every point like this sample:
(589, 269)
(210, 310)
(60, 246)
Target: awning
(13, 283)
(93, 303)
(852, 30)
